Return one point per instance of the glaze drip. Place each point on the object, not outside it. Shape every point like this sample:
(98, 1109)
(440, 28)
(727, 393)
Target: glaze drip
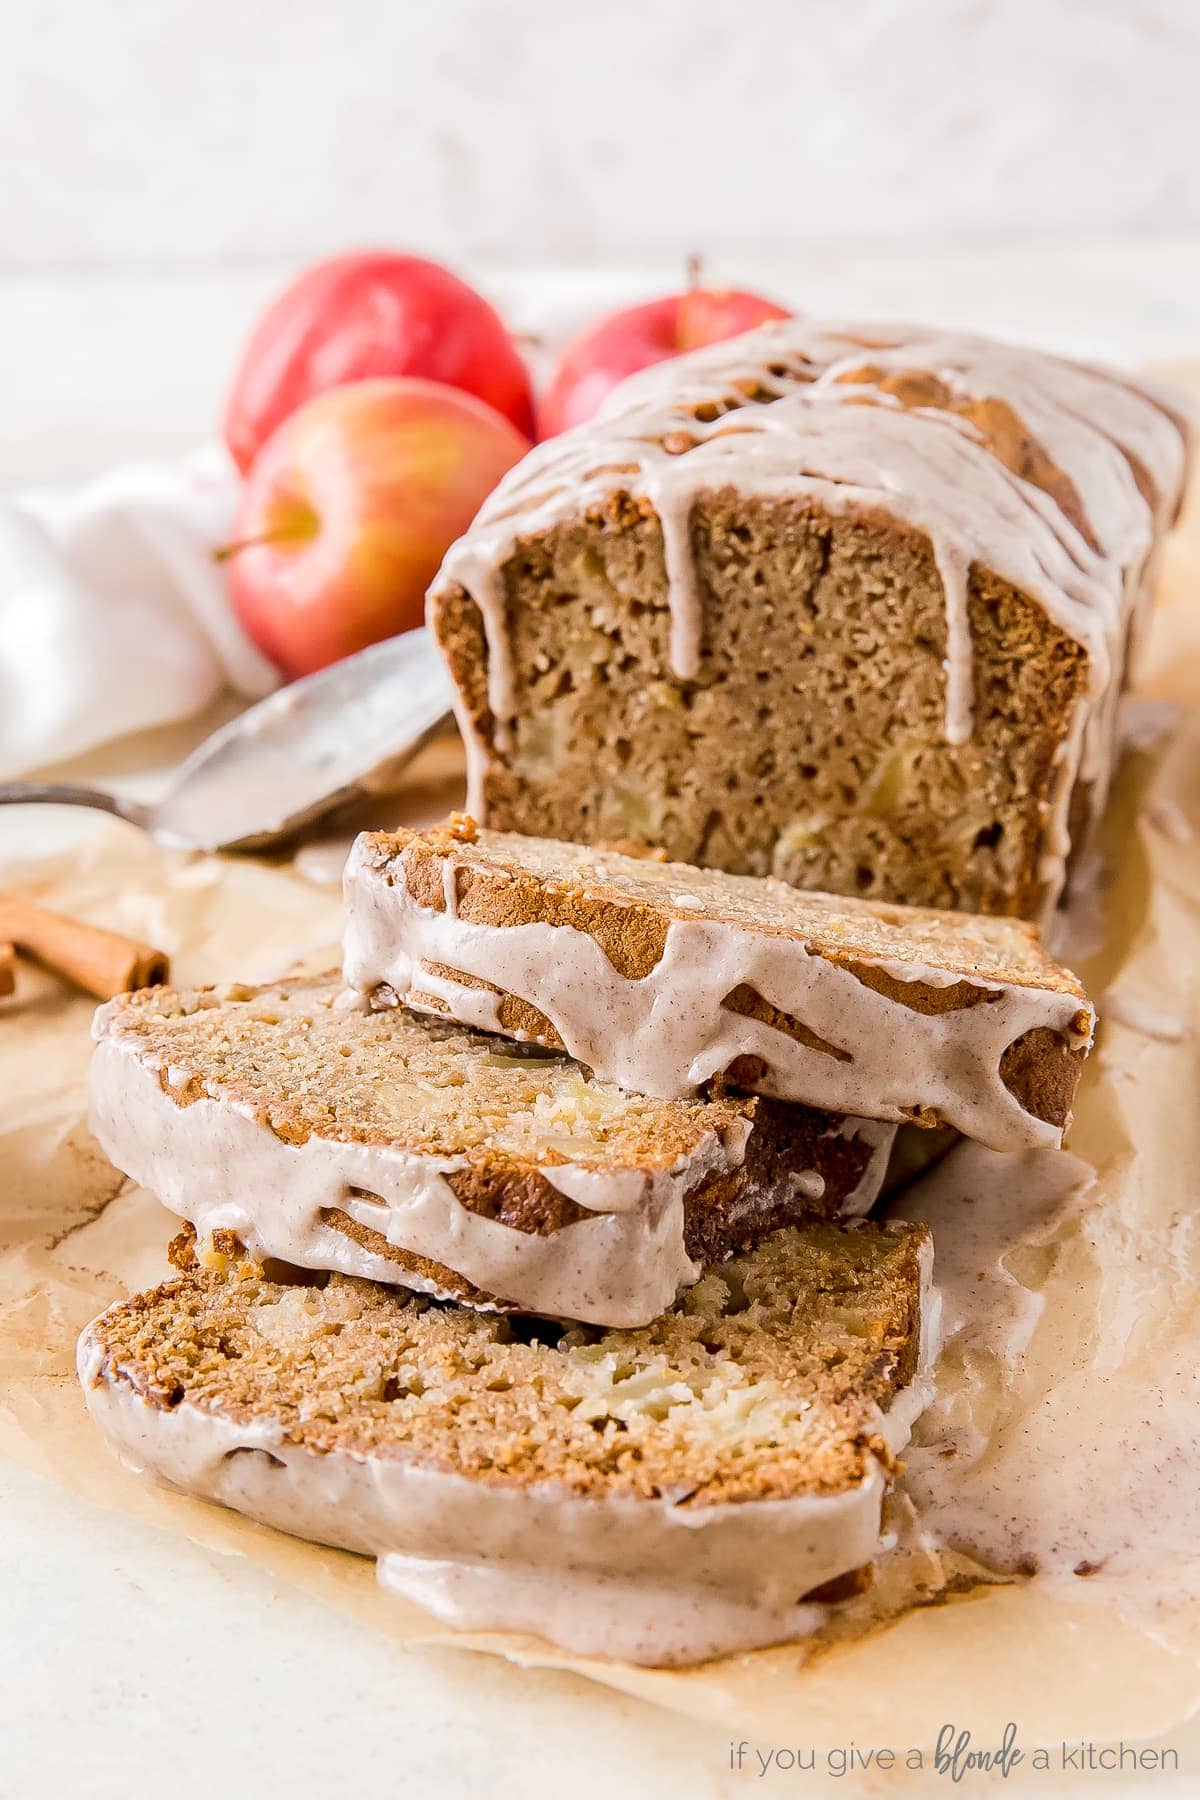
(1052, 476)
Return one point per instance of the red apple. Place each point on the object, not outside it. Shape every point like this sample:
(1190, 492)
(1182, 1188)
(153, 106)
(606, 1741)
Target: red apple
(594, 362)
(355, 317)
(349, 509)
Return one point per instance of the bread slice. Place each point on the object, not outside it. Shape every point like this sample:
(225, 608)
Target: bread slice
(846, 604)
(661, 976)
(410, 1150)
(660, 1495)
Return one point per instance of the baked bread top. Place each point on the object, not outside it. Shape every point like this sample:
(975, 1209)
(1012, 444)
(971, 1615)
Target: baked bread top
(1029, 478)
(415, 1151)
(1051, 474)
(663, 976)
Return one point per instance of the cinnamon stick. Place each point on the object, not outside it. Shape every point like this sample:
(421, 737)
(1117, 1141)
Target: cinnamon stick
(102, 962)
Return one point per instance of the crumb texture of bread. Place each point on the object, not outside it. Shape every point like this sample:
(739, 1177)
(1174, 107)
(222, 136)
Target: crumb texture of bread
(595, 880)
(766, 1381)
(409, 1150)
(305, 1064)
(849, 606)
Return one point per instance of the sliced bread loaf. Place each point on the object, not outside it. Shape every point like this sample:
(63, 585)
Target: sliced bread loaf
(661, 976)
(409, 1150)
(660, 1495)
(846, 604)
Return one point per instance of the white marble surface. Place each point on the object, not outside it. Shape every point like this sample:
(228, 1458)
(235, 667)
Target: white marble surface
(171, 133)
(132, 1663)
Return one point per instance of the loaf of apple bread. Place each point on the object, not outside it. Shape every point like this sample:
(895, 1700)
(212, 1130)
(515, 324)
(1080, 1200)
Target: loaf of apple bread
(852, 606)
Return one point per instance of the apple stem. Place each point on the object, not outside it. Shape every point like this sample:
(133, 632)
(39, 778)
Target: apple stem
(225, 551)
(693, 269)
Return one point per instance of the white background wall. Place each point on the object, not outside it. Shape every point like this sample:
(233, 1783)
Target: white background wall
(184, 133)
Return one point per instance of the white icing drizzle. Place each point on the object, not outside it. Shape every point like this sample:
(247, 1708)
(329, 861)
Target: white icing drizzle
(649, 1581)
(955, 572)
(849, 445)
(668, 1033)
(675, 518)
(214, 1163)
(449, 886)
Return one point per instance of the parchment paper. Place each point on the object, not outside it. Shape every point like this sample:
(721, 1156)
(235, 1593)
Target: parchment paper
(74, 1237)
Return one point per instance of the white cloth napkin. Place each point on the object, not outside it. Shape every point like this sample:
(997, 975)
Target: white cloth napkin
(113, 615)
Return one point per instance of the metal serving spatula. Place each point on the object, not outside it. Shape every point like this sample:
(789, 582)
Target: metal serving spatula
(303, 752)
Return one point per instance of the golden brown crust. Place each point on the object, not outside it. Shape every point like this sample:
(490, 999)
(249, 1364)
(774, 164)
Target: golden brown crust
(723, 1215)
(406, 1262)
(493, 887)
(304, 1068)
(747, 1001)
(1043, 1078)
(632, 938)
(843, 1587)
(517, 1018)
(997, 423)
